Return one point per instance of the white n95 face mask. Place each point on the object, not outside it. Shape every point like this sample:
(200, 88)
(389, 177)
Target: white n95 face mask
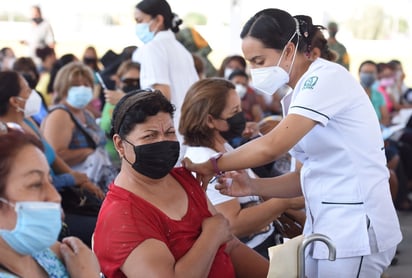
(269, 79)
(32, 105)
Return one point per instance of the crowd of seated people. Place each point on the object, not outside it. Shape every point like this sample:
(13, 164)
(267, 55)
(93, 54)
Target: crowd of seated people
(71, 117)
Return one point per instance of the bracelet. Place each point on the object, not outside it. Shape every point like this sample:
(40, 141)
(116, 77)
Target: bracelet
(213, 159)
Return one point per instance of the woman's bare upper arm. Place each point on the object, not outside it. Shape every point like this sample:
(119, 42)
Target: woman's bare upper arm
(151, 258)
(210, 206)
(57, 128)
(230, 209)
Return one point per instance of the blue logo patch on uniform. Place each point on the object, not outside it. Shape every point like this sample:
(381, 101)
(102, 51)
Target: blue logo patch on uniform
(310, 82)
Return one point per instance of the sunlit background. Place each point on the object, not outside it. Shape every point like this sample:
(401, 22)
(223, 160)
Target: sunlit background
(378, 30)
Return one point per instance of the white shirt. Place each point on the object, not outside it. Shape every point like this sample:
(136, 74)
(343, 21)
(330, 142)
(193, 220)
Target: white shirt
(344, 176)
(39, 36)
(164, 60)
(201, 154)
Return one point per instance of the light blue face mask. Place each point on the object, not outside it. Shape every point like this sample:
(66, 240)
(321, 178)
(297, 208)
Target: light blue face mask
(367, 79)
(143, 32)
(79, 96)
(37, 228)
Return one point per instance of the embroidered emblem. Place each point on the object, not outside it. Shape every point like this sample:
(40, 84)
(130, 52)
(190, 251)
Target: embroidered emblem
(310, 82)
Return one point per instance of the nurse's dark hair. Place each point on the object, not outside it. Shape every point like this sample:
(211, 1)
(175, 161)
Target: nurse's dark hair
(274, 28)
(161, 7)
(135, 107)
(12, 141)
(316, 39)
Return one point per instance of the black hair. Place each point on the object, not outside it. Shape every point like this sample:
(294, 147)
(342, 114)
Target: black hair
(367, 62)
(44, 52)
(4, 50)
(274, 28)
(382, 66)
(395, 63)
(227, 60)
(313, 37)
(238, 72)
(27, 68)
(161, 7)
(111, 61)
(135, 107)
(9, 87)
(64, 60)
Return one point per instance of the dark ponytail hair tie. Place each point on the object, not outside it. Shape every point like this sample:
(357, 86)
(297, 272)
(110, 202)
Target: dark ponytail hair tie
(176, 21)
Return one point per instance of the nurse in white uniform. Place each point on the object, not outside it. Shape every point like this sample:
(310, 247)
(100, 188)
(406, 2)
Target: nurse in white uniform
(166, 65)
(330, 127)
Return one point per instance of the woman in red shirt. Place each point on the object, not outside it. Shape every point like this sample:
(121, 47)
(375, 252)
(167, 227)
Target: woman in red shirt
(156, 220)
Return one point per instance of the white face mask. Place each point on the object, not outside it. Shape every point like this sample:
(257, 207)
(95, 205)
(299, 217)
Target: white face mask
(241, 90)
(33, 104)
(269, 79)
(228, 72)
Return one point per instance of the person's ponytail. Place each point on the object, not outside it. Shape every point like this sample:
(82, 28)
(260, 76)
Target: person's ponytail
(176, 21)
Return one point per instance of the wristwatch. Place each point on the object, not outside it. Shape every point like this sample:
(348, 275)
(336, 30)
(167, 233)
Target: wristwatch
(213, 159)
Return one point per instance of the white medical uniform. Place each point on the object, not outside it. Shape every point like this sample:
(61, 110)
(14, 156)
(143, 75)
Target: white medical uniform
(164, 60)
(344, 177)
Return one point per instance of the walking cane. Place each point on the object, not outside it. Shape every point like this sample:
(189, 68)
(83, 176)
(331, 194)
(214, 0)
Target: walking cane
(302, 247)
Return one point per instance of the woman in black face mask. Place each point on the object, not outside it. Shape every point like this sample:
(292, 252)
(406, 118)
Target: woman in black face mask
(211, 115)
(157, 217)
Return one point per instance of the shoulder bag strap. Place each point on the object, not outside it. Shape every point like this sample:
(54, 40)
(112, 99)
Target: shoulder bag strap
(89, 138)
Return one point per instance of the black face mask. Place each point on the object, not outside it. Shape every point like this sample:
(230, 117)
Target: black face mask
(130, 88)
(130, 84)
(37, 20)
(237, 124)
(155, 160)
(89, 60)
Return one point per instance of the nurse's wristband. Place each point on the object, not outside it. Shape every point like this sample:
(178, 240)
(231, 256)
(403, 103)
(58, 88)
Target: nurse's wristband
(213, 159)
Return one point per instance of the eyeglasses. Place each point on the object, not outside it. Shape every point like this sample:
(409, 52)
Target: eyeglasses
(10, 126)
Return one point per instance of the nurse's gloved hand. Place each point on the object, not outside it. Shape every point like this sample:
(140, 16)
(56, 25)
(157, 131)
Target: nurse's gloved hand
(235, 183)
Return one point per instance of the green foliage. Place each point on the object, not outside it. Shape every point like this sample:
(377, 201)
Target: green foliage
(372, 23)
(194, 18)
(403, 26)
(11, 16)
